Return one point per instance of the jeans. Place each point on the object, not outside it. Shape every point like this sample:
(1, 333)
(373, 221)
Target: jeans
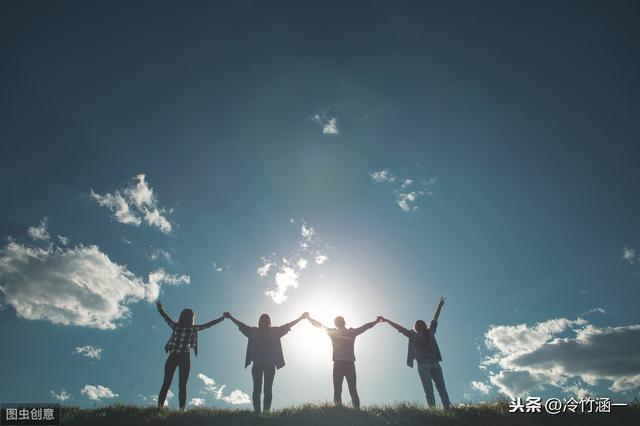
(176, 359)
(258, 371)
(429, 372)
(342, 370)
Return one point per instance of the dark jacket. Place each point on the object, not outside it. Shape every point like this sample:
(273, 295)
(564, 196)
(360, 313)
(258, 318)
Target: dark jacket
(264, 344)
(411, 350)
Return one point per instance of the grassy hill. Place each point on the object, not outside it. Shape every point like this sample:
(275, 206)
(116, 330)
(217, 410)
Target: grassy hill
(495, 413)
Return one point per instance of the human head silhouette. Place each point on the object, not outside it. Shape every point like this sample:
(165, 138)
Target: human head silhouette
(187, 317)
(264, 321)
(420, 327)
(339, 322)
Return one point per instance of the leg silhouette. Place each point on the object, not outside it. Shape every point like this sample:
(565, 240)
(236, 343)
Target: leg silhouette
(169, 368)
(184, 364)
(256, 373)
(424, 370)
(438, 380)
(269, 375)
(351, 382)
(338, 375)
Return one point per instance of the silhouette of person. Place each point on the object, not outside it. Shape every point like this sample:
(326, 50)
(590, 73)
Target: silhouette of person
(183, 338)
(264, 350)
(424, 349)
(343, 340)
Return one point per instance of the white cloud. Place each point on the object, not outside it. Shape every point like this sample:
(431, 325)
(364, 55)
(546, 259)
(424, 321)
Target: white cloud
(329, 124)
(263, 271)
(406, 200)
(219, 268)
(285, 274)
(73, 285)
(39, 232)
(629, 254)
(134, 203)
(119, 206)
(594, 311)
(197, 402)
(63, 240)
(96, 393)
(286, 278)
(62, 396)
(307, 232)
(159, 277)
(562, 353)
(158, 254)
(408, 192)
(237, 397)
(382, 176)
(481, 387)
(88, 351)
(153, 399)
(320, 258)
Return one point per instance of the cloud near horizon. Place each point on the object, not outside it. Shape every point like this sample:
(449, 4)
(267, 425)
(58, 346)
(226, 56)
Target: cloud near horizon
(572, 355)
(135, 203)
(236, 397)
(96, 393)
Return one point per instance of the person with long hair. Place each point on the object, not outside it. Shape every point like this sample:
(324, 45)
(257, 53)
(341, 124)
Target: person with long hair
(424, 349)
(178, 349)
(264, 350)
(344, 359)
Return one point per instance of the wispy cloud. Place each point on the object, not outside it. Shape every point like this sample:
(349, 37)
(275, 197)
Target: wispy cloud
(527, 358)
(77, 285)
(160, 276)
(328, 124)
(63, 240)
(382, 176)
(217, 267)
(284, 273)
(135, 203)
(629, 255)
(96, 393)
(159, 254)
(62, 396)
(153, 399)
(481, 387)
(88, 351)
(39, 233)
(217, 391)
(407, 192)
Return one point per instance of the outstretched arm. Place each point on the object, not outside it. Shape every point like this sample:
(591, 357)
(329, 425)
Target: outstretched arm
(210, 323)
(166, 317)
(235, 320)
(440, 304)
(295, 321)
(367, 326)
(397, 326)
(316, 323)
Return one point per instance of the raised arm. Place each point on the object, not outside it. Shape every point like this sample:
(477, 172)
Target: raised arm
(235, 320)
(367, 326)
(440, 304)
(295, 321)
(164, 315)
(397, 326)
(210, 323)
(316, 323)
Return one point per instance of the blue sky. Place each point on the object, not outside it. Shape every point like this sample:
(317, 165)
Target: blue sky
(404, 151)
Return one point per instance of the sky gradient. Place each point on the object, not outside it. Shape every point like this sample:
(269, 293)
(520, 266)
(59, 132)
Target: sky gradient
(343, 159)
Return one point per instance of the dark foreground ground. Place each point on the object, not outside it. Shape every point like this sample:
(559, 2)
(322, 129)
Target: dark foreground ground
(495, 413)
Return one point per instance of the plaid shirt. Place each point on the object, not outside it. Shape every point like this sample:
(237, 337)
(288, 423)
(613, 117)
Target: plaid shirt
(184, 338)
